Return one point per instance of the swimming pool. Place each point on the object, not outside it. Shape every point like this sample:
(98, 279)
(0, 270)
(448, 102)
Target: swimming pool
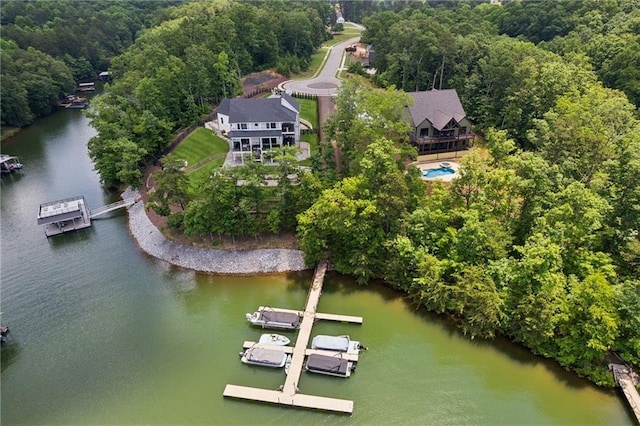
(440, 171)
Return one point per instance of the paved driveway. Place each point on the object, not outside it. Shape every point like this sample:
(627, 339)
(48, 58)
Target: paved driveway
(326, 83)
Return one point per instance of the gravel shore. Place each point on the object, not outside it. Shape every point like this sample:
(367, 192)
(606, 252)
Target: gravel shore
(237, 262)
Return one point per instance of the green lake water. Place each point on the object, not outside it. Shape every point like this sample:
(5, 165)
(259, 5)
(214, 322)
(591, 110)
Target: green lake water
(103, 334)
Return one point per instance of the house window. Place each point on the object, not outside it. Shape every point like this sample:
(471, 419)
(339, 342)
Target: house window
(242, 126)
(463, 130)
(272, 125)
(236, 145)
(424, 132)
(245, 144)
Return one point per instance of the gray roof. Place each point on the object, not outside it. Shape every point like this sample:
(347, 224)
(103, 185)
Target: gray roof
(254, 133)
(260, 110)
(437, 106)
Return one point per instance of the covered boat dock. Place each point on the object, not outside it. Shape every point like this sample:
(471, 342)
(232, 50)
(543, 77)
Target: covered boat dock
(72, 214)
(65, 215)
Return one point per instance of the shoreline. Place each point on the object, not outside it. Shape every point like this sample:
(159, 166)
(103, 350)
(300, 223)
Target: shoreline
(212, 261)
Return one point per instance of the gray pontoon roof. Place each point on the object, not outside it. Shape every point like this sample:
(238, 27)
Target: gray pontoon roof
(329, 364)
(331, 343)
(265, 356)
(277, 316)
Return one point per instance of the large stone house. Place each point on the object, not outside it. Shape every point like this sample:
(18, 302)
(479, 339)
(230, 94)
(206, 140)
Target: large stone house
(255, 126)
(439, 122)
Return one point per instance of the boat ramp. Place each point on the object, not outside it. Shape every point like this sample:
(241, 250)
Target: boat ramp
(289, 394)
(72, 214)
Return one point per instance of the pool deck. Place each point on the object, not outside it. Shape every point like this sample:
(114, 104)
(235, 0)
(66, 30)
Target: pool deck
(426, 165)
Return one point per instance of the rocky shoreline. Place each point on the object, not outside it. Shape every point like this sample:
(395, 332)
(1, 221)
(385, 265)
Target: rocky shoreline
(213, 261)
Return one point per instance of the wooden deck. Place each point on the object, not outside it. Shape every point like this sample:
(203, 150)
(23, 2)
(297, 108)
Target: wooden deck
(289, 394)
(339, 318)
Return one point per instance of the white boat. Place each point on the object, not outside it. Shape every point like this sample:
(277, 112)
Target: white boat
(287, 365)
(336, 344)
(274, 339)
(329, 365)
(270, 318)
(264, 357)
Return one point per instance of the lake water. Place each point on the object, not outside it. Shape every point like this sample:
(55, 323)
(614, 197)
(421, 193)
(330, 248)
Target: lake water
(103, 334)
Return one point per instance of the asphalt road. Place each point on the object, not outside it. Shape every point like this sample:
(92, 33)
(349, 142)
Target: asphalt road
(325, 83)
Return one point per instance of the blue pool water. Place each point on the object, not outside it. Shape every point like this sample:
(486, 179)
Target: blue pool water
(441, 171)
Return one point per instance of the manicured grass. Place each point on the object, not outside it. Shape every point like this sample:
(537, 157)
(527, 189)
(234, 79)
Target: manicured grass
(309, 110)
(200, 145)
(314, 65)
(196, 176)
(345, 35)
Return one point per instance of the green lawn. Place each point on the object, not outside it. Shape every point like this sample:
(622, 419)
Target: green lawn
(200, 145)
(196, 176)
(309, 110)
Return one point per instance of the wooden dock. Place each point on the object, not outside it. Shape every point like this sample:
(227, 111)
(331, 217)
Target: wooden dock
(289, 394)
(627, 379)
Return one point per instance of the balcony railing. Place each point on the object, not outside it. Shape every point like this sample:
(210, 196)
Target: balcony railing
(438, 139)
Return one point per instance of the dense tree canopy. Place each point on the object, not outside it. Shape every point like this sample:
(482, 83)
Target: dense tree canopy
(532, 242)
(49, 46)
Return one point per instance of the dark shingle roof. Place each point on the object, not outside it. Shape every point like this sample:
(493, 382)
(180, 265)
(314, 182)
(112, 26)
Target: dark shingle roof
(437, 106)
(261, 110)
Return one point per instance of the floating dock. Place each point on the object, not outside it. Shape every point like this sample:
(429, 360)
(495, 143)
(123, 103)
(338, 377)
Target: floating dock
(289, 394)
(72, 214)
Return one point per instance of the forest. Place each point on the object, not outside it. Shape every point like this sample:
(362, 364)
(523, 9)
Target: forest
(537, 240)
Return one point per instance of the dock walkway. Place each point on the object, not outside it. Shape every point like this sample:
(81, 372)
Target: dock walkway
(289, 394)
(627, 379)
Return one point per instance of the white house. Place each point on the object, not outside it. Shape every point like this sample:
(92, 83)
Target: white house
(255, 126)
